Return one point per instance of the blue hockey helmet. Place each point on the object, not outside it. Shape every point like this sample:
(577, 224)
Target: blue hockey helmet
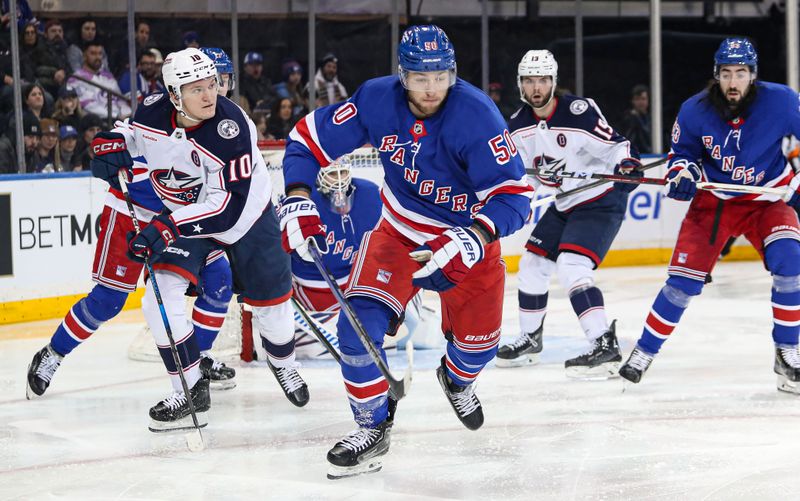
(425, 49)
(223, 63)
(737, 50)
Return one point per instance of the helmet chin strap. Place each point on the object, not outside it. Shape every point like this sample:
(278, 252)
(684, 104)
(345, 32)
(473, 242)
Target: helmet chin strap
(179, 108)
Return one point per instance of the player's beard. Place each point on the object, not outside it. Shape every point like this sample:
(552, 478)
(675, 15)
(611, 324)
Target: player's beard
(727, 108)
(423, 108)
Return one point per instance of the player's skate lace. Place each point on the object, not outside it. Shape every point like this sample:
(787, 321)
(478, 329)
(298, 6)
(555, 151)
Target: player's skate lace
(215, 365)
(175, 401)
(522, 340)
(791, 356)
(48, 365)
(465, 401)
(359, 439)
(289, 378)
(640, 360)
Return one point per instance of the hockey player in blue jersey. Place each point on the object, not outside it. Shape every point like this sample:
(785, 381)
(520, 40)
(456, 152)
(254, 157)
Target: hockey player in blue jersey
(732, 133)
(116, 276)
(572, 238)
(453, 185)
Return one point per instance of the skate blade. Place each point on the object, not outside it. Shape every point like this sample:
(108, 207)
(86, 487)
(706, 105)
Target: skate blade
(600, 372)
(338, 472)
(182, 424)
(29, 393)
(523, 361)
(222, 384)
(787, 386)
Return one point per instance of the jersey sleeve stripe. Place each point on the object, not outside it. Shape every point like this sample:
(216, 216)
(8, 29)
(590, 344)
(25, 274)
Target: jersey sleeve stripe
(512, 186)
(306, 134)
(148, 129)
(204, 215)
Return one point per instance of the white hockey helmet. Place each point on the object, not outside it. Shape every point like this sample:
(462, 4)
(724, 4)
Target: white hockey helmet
(183, 67)
(537, 63)
(335, 183)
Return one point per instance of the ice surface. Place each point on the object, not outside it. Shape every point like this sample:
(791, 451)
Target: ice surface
(705, 423)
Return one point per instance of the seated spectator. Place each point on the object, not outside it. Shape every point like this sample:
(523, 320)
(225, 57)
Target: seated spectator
(46, 161)
(24, 14)
(158, 63)
(329, 89)
(496, 93)
(191, 39)
(75, 51)
(281, 119)
(255, 87)
(66, 159)
(68, 109)
(142, 41)
(31, 43)
(146, 81)
(260, 121)
(94, 99)
(292, 87)
(8, 155)
(50, 59)
(636, 121)
(33, 100)
(90, 126)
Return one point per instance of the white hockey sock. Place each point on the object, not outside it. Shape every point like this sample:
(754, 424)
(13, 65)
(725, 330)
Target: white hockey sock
(276, 327)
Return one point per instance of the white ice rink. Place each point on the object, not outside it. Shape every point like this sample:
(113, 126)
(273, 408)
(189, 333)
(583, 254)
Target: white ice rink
(705, 423)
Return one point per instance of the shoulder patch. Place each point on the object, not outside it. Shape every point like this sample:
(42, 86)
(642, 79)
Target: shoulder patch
(228, 129)
(578, 107)
(152, 98)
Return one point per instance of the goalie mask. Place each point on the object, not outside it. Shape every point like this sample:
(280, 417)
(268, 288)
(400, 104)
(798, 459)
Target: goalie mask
(334, 182)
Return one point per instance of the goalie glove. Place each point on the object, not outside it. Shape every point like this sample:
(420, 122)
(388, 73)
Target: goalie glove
(153, 239)
(448, 258)
(300, 222)
(682, 181)
(110, 155)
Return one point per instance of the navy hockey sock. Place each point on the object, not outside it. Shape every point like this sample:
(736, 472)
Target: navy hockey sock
(532, 309)
(589, 306)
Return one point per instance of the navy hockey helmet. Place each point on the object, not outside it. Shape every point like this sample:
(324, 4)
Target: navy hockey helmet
(425, 48)
(223, 63)
(738, 50)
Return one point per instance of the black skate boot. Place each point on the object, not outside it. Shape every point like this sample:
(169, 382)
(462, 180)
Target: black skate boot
(172, 413)
(41, 371)
(601, 362)
(221, 376)
(787, 367)
(636, 365)
(462, 398)
(291, 383)
(522, 351)
(361, 450)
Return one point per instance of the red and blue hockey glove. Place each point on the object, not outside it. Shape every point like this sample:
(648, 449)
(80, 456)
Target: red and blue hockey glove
(794, 185)
(110, 155)
(448, 258)
(153, 239)
(628, 167)
(300, 222)
(682, 181)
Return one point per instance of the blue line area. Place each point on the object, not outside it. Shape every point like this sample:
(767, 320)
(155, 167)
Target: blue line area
(43, 175)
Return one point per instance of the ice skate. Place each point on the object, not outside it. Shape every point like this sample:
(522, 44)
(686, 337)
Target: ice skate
(291, 383)
(787, 367)
(636, 365)
(41, 371)
(221, 376)
(361, 450)
(522, 351)
(601, 362)
(172, 413)
(462, 398)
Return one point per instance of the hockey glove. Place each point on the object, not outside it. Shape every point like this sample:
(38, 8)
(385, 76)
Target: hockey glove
(110, 155)
(448, 258)
(300, 222)
(628, 167)
(153, 239)
(794, 185)
(682, 181)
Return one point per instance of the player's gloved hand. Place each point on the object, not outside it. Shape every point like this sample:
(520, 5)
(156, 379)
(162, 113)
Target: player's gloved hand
(682, 181)
(110, 155)
(448, 258)
(794, 186)
(153, 239)
(300, 222)
(628, 167)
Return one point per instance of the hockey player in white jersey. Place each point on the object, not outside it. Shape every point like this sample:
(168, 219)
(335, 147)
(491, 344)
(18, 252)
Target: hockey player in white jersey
(563, 132)
(212, 177)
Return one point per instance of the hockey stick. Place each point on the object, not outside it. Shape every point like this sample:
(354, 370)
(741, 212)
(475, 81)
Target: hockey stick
(397, 387)
(315, 330)
(701, 185)
(194, 440)
(558, 196)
